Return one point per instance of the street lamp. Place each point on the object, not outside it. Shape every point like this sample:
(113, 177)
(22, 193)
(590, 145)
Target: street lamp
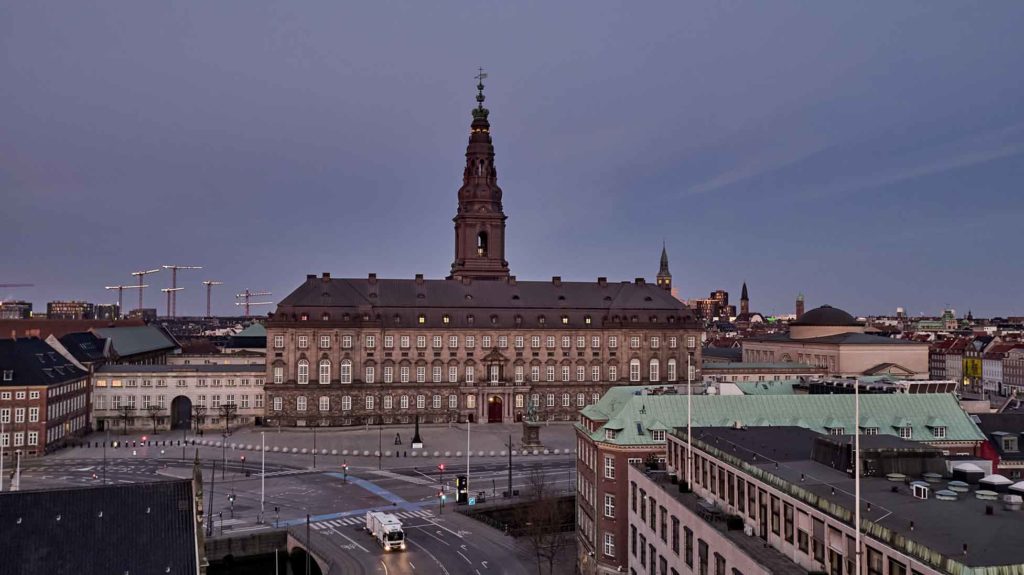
(231, 499)
(243, 465)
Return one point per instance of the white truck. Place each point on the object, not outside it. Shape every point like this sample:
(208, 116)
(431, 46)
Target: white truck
(386, 529)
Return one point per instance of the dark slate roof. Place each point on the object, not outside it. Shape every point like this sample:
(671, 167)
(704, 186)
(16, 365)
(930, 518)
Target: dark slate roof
(128, 341)
(253, 336)
(827, 315)
(843, 338)
(189, 368)
(994, 424)
(730, 354)
(482, 299)
(84, 346)
(111, 529)
(34, 362)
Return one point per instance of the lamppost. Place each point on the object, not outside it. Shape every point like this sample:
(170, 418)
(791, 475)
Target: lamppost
(314, 447)
(231, 500)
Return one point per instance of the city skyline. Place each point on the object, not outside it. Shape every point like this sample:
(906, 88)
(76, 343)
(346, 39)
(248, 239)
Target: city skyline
(866, 161)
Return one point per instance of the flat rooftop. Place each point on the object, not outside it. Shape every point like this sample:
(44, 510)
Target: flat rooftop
(943, 526)
(754, 547)
(190, 368)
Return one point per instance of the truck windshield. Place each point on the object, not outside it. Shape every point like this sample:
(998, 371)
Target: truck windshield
(395, 536)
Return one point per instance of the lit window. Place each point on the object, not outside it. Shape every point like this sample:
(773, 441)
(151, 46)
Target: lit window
(421, 319)
(565, 320)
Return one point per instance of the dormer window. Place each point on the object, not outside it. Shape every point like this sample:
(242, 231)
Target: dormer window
(421, 319)
(586, 320)
(8, 375)
(836, 430)
(1010, 443)
(906, 432)
(870, 431)
(939, 432)
(565, 320)
(446, 319)
(304, 317)
(609, 434)
(658, 435)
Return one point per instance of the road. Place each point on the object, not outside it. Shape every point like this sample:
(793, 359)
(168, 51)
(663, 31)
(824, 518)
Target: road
(440, 541)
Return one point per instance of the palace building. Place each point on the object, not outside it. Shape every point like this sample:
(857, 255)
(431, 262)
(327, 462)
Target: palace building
(479, 345)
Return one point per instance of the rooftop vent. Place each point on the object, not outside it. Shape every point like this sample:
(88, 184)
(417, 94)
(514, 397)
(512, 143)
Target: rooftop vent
(557, 280)
(372, 279)
(419, 279)
(640, 281)
(602, 281)
(326, 276)
(310, 277)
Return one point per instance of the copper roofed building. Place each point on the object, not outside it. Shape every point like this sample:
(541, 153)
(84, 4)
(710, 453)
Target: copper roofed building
(478, 345)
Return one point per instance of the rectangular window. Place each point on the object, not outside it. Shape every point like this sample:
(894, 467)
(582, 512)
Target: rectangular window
(388, 401)
(550, 400)
(389, 374)
(33, 438)
(421, 401)
(470, 374)
(403, 342)
(278, 342)
(519, 377)
(502, 342)
(549, 342)
(519, 400)
(565, 373)
(565, 400)
(673, 342)
(519, 342)
(403, 402)
(453, 401)
(609, 506)
(453, 374)
(535, 341)
(371, 342)
(370, 374)
(303, 341)
(691, 341)
(325, 403)
(688, 546)
(436, 374)
(470, 402)
(581, 400)
(368, 402)
(609, 467)
(495, 374)
(437, 342)
(421, 374)
(278, 404)
(566, 342)
(346, 342)
(609, 544)
(389, 342)
(634, 342)
(453, 341)
(403, 374)
(470, 342)
(346, 403)
(325, 341)
(655, 342)
(436, 403)
(300, 403)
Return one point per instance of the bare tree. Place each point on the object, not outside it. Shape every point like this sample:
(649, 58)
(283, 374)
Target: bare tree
(154, 414)
(198, 412)
(542, 523)
(126, 414)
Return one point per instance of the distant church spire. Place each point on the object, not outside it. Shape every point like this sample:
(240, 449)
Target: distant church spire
(744, 301)
(480, 220)
(664, 276)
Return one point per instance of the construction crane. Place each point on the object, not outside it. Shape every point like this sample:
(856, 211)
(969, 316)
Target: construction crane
(173, 312)
(170, 298)
(120, 294)
(141, 287)
(209, 286)
(247, 299)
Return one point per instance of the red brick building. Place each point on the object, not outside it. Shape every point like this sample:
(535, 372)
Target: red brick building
(44, 398)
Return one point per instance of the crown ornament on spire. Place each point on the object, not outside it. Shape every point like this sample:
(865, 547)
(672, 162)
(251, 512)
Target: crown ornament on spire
(480, 111)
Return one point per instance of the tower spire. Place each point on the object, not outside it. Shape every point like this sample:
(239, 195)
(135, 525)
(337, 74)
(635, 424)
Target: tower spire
(664, 276)
(480, 220)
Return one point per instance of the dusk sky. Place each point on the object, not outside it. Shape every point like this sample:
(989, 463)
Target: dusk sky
(867, 154)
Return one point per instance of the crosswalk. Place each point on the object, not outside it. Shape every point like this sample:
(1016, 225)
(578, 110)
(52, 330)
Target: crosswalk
(360, 520)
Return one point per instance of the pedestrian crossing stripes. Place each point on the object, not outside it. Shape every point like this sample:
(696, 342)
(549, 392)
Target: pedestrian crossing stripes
(360, 520)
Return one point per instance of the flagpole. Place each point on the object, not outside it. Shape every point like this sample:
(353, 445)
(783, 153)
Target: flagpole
(856, 472)
(263, 471)
(1, 456)
(689, 422)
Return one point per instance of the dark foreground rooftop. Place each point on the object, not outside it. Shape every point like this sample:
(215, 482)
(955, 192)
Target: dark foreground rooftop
(139, 528)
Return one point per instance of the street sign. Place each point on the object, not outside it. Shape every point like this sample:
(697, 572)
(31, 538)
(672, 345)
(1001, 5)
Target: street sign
(472, 500)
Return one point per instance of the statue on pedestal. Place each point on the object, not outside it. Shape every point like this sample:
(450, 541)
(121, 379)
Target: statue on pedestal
(531, 429)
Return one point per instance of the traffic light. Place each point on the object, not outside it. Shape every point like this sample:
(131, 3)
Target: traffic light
(144, 438)
(440, 467)
(243, 459)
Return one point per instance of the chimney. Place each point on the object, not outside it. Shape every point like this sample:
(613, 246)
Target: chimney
(310, 277)
(512, 281)
(326, 276)
(640, 281)
(419, 279)
(602, 281)
(557, 280)
(372, 279)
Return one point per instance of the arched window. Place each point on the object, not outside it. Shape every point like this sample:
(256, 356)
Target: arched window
(654, 372)
(670, 372)
(481, 244)
(634, 370)
(346, 371)
(303, 377)
(325, 371)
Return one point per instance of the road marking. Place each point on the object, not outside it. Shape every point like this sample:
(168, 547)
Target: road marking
(464, 557)
(427, 551)
(385, 567)
(484, 563)
(413, 566)
(365, 550)
(425, 532)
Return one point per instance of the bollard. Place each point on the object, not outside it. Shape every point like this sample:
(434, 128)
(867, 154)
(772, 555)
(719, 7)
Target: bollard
(405, 454)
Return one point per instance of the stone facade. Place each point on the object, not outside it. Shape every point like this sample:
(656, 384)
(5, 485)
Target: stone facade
(479, 345)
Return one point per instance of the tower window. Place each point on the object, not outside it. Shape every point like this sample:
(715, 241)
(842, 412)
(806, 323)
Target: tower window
(481, 244)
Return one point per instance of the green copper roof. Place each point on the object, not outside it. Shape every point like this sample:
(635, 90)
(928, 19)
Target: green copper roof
(814, 412)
